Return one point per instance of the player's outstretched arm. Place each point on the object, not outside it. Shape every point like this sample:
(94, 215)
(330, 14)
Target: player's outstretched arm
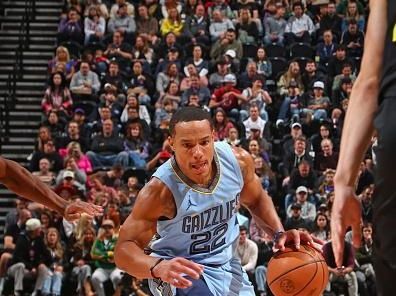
(358, 129)
(153, 202)
(22, 182)
(260, 204)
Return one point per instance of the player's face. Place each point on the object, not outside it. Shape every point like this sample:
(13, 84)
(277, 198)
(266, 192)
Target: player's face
(194, 149)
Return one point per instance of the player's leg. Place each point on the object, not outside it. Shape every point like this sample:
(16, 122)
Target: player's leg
(198, 288)
(384, 201)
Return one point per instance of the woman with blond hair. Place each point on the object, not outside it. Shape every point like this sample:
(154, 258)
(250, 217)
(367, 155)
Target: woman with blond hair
(62, 56)
(53, 281)
(292, 74)
(172, 23)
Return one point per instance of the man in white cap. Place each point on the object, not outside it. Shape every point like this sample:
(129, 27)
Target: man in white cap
(31, 257)
(19, 180)
(308, 210)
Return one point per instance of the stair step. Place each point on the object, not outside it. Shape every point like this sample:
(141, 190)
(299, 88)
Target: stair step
(28, 77)
(18, 10)
(18, 147)
(38, 18)
(33, 40)
(49, 46)
(21, 140)
(26, 62)
(28, 54)
(6, 26)
(30, 100)
(32, 33)
(28, 107)
(26, 70)
(25, 123)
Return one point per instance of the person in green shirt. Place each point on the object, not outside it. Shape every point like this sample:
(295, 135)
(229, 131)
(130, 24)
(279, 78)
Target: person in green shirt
(102, 254)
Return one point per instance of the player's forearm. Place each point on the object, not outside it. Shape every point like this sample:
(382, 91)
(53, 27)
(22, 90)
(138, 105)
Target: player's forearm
(19, 180)
(358, 129)
(130, 258)
(266, 216)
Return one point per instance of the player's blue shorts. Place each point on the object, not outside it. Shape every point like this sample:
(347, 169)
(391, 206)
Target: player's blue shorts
(226, 280)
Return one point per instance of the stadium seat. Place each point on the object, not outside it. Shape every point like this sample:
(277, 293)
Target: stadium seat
(74, 49)
(275, 50)
(279, 65)
(298, 50)
(249, 50)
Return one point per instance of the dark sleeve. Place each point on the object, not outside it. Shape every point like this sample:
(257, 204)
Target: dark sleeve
(45, 255)
(350, 262)
(20, 252)
(95, 144)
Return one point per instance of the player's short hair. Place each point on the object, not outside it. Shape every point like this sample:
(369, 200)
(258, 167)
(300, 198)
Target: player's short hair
(187, 114)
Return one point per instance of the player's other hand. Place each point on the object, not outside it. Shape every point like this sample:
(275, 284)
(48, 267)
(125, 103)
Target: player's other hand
(346, 212)
(296, 238)
(74, 210)
(176, 270)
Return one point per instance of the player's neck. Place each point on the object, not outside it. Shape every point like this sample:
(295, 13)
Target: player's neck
(206, 181)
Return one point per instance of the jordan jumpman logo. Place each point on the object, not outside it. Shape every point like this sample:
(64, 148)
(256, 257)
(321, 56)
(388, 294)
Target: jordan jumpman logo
(190, 203)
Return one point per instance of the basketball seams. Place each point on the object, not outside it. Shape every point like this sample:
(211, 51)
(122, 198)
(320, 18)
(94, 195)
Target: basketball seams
(314, 275)
(295, 268)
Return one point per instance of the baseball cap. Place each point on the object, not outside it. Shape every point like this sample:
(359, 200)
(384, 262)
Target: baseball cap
(231, 53)
(302, 189)
(68, 174)
(318, 84)
(165, 155)
(108, 222)
(79, 111)
(32, 224)
(230, 78)
(296, 206)
(296, 125)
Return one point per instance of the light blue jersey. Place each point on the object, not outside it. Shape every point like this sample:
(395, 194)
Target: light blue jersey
(205, 228)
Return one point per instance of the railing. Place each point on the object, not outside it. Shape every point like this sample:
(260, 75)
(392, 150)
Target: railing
(9, 100)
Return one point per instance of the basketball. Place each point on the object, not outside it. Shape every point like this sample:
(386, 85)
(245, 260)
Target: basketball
(297, 272)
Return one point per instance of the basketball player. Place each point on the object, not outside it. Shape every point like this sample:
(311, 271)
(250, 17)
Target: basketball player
(190, 206)
(19, 180)
(372, 106)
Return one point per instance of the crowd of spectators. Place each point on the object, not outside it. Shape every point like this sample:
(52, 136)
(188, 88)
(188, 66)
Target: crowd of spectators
(276, 76)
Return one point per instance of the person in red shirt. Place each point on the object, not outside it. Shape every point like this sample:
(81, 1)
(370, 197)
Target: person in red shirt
(228, 97)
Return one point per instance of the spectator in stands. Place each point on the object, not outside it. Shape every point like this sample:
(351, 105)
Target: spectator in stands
(303, 176)
(198, 61)
(44, 135)
(164, 78)
(11, 235)
(190, 70)
(321, 227)
(168, 42)
(133, 101)
(366, 198)
(352, 13)
(224, 44)
(14, 214)
(254, 121)
(72, 135)
(256, 95)
(223, 7)
(299, 27)
(136, 145)
(246, 77)
(325, 50)
(113, 76)
(308, 209)
(122, 22)
(70, 28)
(219, 25)
(275, 26)
(172, 95)
(295, 220)
(318, 104)
(365, 178)
(146, 25)
(97, 3)
(55, 124)
(79, 176)
(246, 251)
(172, 23)
(316, 139)
(292, 160)
(82, 261)
(196, 87)
(293, 73)
(44, 173)
(216, 79)
(337, 61)
(311, 75)
(264, 65)
(94, 26)
(328, 158)
(173, 56)
(353, 39)
(248, 31)
(346, 72)
(227, 97)
(143, 53)
(103, 256)
(62, 56)
(53, 281)
(120, 51)
(166, 5)
(196, 27)
(331, 21)
(107, 148)
(57, 96)
(222, 124)
(342, 93)
(83, 163)
(109, 99)
(345, 273)
(130, 9)
(31, 257)
(51, 154)
(85, 83)
(291, 106)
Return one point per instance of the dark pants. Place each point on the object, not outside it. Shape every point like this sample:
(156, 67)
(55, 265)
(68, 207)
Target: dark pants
(292, 38)
(198, 288)
(384, 201)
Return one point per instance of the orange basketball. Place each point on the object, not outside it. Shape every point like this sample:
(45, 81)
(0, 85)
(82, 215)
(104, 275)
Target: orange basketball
(297, 272)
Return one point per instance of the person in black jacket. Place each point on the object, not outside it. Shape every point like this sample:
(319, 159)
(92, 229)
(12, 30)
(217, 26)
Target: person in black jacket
(31, 257)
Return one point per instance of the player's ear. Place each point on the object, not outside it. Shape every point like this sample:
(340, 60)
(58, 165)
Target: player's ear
(171, 142)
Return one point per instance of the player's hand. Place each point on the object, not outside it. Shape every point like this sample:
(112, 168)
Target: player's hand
(74, 210)
(346, 212)
(296, 238)
(174, 271)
